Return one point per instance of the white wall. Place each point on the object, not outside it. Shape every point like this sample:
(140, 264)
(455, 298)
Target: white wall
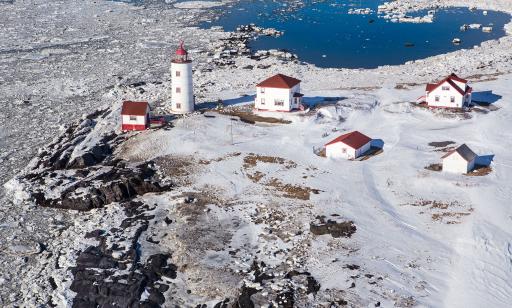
(444, 97)
(456, 164)
(182, 102)
(341, 150)
(140, 120)
(272, 94)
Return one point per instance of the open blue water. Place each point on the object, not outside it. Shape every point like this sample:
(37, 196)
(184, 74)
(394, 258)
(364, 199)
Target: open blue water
(323, 33)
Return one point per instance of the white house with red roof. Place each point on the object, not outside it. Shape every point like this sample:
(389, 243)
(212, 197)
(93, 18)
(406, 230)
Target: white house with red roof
(349, 146)
(451, 92)
(278, 93)
(461, 160)
(134, 115)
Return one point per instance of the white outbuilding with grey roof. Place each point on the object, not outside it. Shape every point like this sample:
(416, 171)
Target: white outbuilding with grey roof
(461, 160)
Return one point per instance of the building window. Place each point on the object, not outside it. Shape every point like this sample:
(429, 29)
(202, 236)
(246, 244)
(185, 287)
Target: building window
(133, 118)
(279, 102)
(178, 90)
(178, 106)
(452, 99)
(446, 88)
(178, 73)
(437, 98)
(344, 150)
(262, 90)
(263, 101)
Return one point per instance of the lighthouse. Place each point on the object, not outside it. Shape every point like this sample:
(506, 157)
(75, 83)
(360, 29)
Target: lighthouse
(182, 97)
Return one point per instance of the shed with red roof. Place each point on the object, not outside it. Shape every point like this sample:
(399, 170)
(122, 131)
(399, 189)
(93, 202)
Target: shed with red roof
(134, 115)
(451, 92)
(278, 93)
(349, 146)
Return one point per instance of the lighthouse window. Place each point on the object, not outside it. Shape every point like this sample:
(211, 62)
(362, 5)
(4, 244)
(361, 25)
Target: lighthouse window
(178, 106)
(178, 90)
(178, 73)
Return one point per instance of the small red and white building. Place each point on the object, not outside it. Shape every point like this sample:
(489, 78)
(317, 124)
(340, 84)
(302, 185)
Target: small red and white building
(182, 88)
(451, 92)
(461, 160)
(348, 146)
(278, 93)
(134, 115)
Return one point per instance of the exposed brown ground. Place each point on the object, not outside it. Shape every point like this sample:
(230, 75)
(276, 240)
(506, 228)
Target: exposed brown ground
(251, 118)
(252, 160)
(292, 191)
(448, 212)
(434, 167)
(440, 144)
(219, 159)
(480, 171)
(286, 190)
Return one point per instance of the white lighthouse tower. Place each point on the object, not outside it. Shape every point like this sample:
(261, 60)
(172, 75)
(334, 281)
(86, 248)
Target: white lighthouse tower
(182, 97)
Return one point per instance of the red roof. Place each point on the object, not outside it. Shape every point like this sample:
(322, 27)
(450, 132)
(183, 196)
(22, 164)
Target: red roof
(181, 51)
(135, 108)
(450, 79)
(354, 140)
(279, 81)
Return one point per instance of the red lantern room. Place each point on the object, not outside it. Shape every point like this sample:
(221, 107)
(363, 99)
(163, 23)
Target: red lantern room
(181, 55)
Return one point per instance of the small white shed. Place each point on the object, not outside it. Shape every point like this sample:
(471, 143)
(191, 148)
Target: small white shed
(348, 146)
(461, 160)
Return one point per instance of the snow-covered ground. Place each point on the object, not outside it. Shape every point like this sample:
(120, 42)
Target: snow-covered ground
(61, 59)
(452, 254)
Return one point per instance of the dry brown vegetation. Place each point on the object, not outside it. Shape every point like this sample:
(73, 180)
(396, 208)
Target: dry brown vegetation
(449, 113)
(445, 150)
(480, 171)
(434, 167)
(251, 118)
(362, 88)
(292, 191)
(446, 212)
(252, 160)
(404, 86)
(484, 77)
(286, 190)
(178, 168)
(440, 144)
(219, 159)
(256, 176)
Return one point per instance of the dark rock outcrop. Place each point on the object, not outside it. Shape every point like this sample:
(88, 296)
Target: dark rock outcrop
(102, 186)
(97, 281)
(333, 227)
